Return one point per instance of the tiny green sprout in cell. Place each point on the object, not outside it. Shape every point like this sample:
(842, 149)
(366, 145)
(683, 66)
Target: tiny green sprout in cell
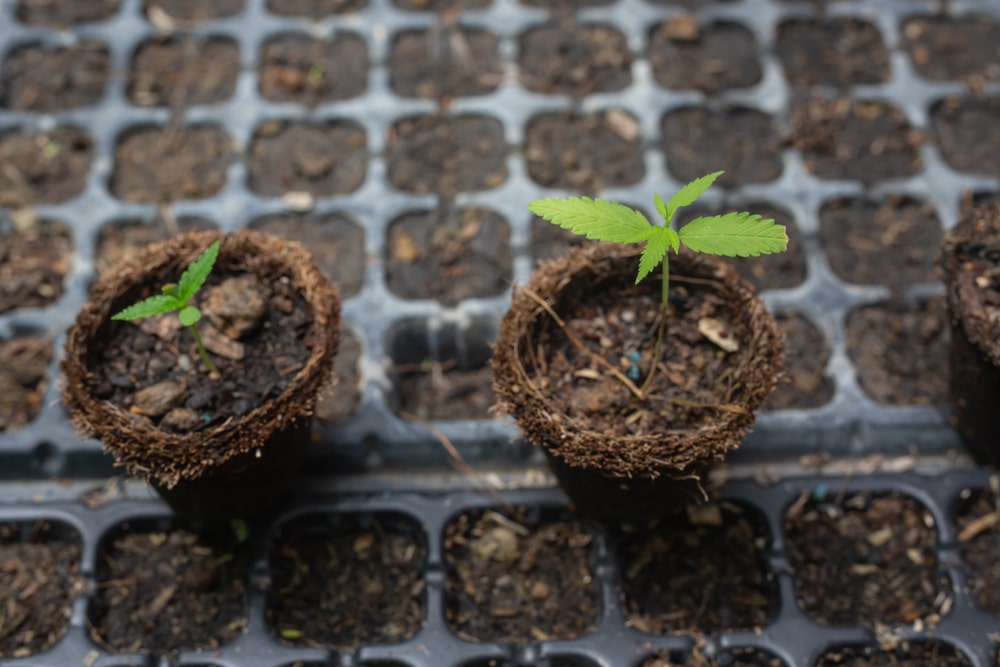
(177, 297)
(730, 234)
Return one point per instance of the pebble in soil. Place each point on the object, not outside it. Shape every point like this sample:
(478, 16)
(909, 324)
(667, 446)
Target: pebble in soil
(299, 68)
(63, 13)
(43, 168)
(122, 240)
(519, 579)
(574, 59)
(448, 255)
(24, 362)
(685, 55)
(906, 654)
(445, 61)
(346, 583)
(900, 351)
(977, 522)
(35, 256)
(807, 352)
(835, 52)
(963, 134)
(950, 49)
(166, 589)
(861, 559)
(178, 72)
(672, 574)
(318, 159)
(39, 577)
(36, 78)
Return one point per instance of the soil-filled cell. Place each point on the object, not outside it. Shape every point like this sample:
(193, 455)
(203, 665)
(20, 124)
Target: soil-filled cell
(339, 399)
(963, 132)
(164, 588)
(672, 574)
(584, 153)
(64, 13)
(39, 577)
(35, 256)
(44, 168)
(900, 351)
(744, 143)
(685, 55)
(178, 72)
(446, 154)
(574, 59)
(299, 68)
(855, 140)
(346, 581)
(448, 255)
(441, 372)
(978, 529)
(444, 62)
(519, 578)
(865, 559)
(840, 52)
(322, 160)
(193, 11)
(564, 5)
(123, 239)
(807, 351)
(165, 164)
(36, 78)
(24, 361)
(690, 4)
(441, 5)
(952, 49)
(315, 9)
(907, 654)
(892, 242)
(335, 242)
(741, 657)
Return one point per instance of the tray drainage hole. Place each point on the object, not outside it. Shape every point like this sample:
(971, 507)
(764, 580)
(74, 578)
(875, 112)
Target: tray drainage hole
(48, 459)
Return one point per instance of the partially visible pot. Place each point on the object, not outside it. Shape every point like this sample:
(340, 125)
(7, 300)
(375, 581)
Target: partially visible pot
(236, 464)
(619, 458)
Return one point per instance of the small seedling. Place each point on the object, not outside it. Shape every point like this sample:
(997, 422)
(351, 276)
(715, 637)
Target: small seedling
(177, 297)
(730, 234)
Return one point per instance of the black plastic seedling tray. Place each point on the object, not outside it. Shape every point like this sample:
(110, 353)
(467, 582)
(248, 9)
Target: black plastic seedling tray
(371, 460)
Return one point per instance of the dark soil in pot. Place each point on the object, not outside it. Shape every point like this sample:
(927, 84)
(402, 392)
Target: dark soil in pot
(24, 362)
(685, 55)
(298, 68)
(917, 654)
(963, 132)
(162, 589)
(977, 522)
(698, 572)
(445, 61)
(514, 579)
(43, 168)
(836, 52)
(36, 78)
(165, 164)
(584, 153)
(574, 59)
(861, 559)
(347, 581)
(720, 359)
(39, 577)
(178, 72)
(448, 255)
(964, 48)
(35, 256)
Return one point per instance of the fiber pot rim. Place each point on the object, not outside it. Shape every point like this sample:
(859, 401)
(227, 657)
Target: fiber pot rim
(165, 458)
(638, 456)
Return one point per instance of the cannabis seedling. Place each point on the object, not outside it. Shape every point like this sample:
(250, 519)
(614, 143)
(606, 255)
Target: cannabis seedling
(730, 234)
(177, 297)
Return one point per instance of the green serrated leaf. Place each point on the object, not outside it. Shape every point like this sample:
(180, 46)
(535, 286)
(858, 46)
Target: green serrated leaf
(661, 208)
(656, 247)
(690, 193)
(189, 315)
(154, 305)
(734, 235)
(594, 218)
(170, 289)
(195, 274)
(673, 239)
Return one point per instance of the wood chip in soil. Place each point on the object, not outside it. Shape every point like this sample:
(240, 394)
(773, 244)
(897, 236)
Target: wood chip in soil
(448, 255)
(36, 78)
(963, 132)
(709, 58)
(806, 383)
(35, 256)
(166, 164)
(519, 580)
(671, 574)
(162, 591)
(24, 362)
(900, 351)
(39, 577)
(43, 168)
(314, 9)
(907, 654)
(977, 523)
(444, 61)
(574, 59)
(360, 582)
(861, 559)
(319, 159)
(298, 68)
(837, 52)
(123, 240)
(954, 49)
(64, 13)
(745, 143)
(178, 72)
